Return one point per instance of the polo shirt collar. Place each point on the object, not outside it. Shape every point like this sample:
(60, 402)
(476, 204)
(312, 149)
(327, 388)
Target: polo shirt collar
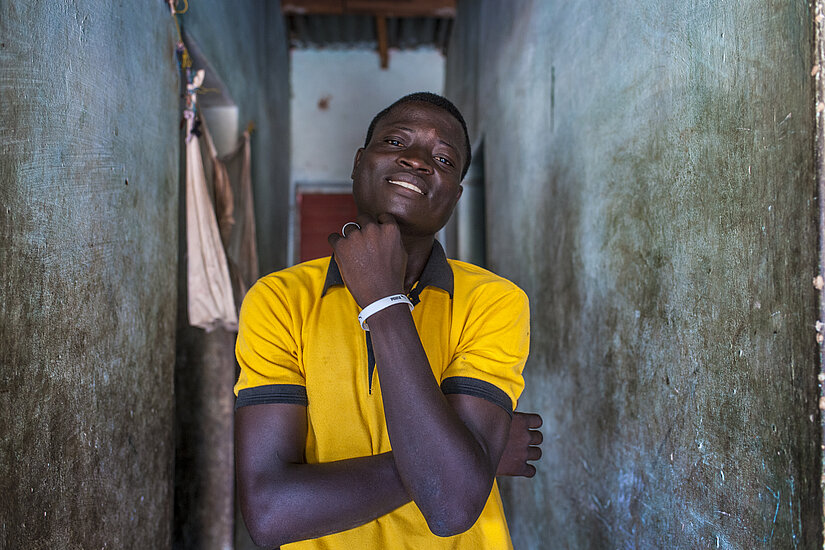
(436, 273)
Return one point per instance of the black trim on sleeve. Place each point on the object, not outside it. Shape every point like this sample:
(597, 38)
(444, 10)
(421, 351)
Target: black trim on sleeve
(477, 388)
(291, 394)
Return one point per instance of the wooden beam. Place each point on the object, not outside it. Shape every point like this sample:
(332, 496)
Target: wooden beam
(383, 46)
(312, 7)
(403, 8)
(387, 8)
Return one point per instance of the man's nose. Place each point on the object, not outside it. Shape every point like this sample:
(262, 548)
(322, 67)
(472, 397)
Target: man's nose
(415, 158)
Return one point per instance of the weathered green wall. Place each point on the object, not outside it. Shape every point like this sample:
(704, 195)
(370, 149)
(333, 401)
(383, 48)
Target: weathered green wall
(88, 253)
(247, 47)
(649, 170)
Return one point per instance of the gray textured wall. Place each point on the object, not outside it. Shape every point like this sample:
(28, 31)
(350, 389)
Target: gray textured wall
(88, 252)
(650, 183)
(248, 49)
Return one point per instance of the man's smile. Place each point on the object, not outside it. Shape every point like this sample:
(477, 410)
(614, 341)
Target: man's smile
(406, 185)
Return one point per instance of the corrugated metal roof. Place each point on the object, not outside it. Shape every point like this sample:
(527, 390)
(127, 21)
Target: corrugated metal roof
(359, 31)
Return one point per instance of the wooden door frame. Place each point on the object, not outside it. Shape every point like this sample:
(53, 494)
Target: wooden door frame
(327, 188)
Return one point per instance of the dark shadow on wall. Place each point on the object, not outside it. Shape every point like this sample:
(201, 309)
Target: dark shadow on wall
(204, 376)
(247, 48)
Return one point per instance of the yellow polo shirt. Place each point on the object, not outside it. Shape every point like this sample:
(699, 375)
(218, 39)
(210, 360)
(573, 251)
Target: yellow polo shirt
(299, 341)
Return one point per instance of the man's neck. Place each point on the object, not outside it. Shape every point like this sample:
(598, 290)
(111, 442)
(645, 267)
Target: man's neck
(418, 252)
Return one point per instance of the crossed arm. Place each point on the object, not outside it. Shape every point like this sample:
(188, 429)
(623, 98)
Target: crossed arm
(283, 499)
(446, 449)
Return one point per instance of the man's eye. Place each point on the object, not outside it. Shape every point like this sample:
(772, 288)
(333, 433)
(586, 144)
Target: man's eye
(444, 160)
(393, 142)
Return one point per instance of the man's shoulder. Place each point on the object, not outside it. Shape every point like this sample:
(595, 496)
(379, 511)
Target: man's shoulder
(304, 278)
(469, 277)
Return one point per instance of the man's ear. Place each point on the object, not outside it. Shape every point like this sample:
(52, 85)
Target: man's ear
(460, 191)
(356, 161)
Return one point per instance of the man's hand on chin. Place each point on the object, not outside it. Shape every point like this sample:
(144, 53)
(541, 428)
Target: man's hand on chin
(372, 259)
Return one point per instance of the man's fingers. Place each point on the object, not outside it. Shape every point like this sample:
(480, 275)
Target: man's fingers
(529, 470)
(536, 437)
(364, 220)
(533, 453)
(533, 420)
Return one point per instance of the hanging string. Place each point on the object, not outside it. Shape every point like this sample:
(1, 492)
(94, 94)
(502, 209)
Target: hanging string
(184, 58)
(192, 80)
(176, 11)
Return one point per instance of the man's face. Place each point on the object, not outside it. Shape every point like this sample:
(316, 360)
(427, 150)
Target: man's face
(411, 168)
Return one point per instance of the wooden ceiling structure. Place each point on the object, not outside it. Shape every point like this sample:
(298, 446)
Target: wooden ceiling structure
(380, 11)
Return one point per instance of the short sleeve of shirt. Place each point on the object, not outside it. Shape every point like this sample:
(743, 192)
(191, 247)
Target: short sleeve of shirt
(493, 346)
(267, 348)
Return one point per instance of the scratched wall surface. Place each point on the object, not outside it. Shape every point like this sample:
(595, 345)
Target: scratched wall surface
(88, 253)
(649, 171)
(247, 48)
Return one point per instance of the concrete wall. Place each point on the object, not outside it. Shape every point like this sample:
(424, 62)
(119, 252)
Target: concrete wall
(247, 48)
(88, 252)
(666, 151)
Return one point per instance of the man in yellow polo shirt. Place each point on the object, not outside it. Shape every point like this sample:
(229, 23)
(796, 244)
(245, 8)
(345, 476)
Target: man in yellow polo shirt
(377, 388)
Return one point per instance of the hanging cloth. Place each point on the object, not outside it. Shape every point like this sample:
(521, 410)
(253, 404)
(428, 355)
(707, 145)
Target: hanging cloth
(240, 242)
(231, 180)
(211, 301)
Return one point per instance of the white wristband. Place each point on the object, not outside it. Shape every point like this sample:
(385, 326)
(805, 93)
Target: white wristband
(378, 305)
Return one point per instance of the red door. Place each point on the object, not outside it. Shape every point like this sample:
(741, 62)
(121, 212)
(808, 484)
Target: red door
(320, 215)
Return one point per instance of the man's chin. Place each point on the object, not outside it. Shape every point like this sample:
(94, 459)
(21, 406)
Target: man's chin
(411, 229)
(408, 223)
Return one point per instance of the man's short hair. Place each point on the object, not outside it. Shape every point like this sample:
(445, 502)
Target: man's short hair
(432, 99)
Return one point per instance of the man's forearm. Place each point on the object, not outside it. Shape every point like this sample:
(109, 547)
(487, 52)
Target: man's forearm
(444, 467)
(302, 501)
